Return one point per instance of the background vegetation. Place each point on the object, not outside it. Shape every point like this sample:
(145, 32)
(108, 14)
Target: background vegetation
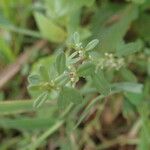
(105, 101)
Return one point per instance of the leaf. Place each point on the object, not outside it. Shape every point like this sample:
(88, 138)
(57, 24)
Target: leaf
(49, 29)
(134, 98)
(111, 34)
(128, 87)
(28, 124)
(128, 75)
(86, 69)
(44, 73)
(76, 38)
(12, 107)
(101, 83)
(91, 45)
(61, 62)
(34, 88)
(40, 100)
(6, 54)
(141, 26)
(129, 110)
(5, 24)
(130, 48)
(50, 73)
(69, 95)
(34, 79)
(59, 8)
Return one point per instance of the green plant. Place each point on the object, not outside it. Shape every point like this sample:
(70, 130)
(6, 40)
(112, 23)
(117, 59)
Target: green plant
(58, 79)
(94, 83)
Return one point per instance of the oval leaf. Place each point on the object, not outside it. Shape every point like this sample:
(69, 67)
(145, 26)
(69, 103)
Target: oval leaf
(44, 73)
(61, 63)
(91, 44)
(76, 38)
(34, 79)
(101, 83)
(69, 95)
(49, 29)
(86, 69)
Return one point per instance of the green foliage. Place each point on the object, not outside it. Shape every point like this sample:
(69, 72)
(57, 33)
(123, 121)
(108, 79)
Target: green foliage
(101, 83)
(130, 48)
(86, 69)
(92, 73)
(67, 96)
(61, 63)
(49, 29)
(128, 87)
(6, 53)
(91, 45)
(113, 34)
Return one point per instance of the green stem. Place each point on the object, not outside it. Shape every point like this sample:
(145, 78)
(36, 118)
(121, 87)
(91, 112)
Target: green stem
(45, 135)
(121, 141)
(50, 131)
(93, 102)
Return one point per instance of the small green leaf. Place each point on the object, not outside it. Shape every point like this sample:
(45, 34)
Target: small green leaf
(34, 79)
(34, 87)
(128, 109)
(44, 73)
(128, 87)
(40, 100)
(91, 45)
(101, 83)
(69, 95)
(128, 75)
(6, 54)
(86, 69)
(111, 35)
(130, 48)
(134, 98)
(49, 29)
(7, 25)
(76, 38)
(61, 62)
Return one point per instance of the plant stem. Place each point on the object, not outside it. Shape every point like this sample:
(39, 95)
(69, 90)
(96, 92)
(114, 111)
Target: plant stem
(121, 141)
(45, 135)
(50, 131)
